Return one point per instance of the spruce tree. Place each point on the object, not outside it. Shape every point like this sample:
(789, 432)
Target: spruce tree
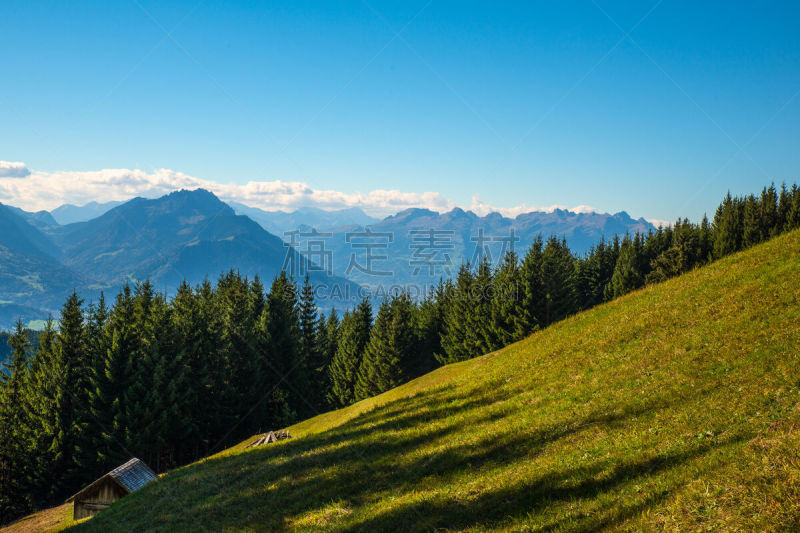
(111, 379)
(389, 353)
(706, 241)
(310, 349)
(558, 281)
(378, 360)
(40, 409)
(752, 232)
(169, 415)
(140, 434)
(769, 212)
(354, 334)
(210, 363)
(628, 275)
(480, 318)
(71, 446)
(330, 337)
(242, 364)
(728, 226)
(96, 346)
(532, 316)
(784, 206)
(14, 430)
(506, 306)
(288, 365)
(459, 340)
(321, 379)
(793, 217)
(429, 318)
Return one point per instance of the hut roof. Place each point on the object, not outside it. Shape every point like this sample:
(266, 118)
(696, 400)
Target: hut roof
(131, 476)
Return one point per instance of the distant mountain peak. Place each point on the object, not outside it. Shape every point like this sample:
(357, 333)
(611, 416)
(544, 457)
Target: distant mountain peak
(200, 200)
(70, 213)
(412, 213)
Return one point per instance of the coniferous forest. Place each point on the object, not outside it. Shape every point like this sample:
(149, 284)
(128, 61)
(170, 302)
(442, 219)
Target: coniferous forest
(173, 379)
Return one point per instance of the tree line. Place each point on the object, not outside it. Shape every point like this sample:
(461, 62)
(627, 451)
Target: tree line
(173, 379)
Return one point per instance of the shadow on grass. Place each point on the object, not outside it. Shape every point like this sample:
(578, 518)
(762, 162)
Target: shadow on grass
(377, 456)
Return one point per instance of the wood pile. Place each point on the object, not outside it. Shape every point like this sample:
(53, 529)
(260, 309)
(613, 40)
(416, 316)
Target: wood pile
(272, 436)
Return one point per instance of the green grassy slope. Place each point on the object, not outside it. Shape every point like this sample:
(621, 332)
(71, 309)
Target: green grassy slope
(675, 407)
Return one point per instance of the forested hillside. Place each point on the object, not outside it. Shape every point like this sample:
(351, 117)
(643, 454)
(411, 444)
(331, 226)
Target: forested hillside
(674, 408)
(172, 379)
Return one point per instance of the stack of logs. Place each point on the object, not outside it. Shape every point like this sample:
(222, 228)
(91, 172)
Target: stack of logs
(272, 436)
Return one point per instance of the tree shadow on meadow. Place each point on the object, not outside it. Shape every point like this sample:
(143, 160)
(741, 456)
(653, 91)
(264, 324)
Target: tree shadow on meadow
(377, 456)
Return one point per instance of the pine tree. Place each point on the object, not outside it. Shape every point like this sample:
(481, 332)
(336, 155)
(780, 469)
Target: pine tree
(480, 319)
(784, 206)
(354, 334)
(728, 227)
(40, 409)
(326, 351)
(310, 349)
(628, 275)
(196, 339)
(331, 337)
(72, 368)
(793, 217)
(459, 340)
(593, 273)
(532, 314)
(288, 365)
(96, 347)
(752, 232)
(769, 213)
(168, 413)
(558, 281)
(140, 434)
(258, 301)
(506, 304)
(389, 353)
(14, 432)
(95, 330)
(210, 364)
(378, 361)
(429, 319)
(274, 398)
(110, 380)
(243, 363)
(706, 241)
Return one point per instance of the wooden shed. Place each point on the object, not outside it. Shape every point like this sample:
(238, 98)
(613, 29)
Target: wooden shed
(109, 488)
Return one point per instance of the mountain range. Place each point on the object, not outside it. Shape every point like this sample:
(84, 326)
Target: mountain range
(187, 235)
(417, 247)
(193, 235)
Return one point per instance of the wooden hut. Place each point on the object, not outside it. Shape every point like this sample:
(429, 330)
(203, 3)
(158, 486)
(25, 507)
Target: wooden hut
(109, 488)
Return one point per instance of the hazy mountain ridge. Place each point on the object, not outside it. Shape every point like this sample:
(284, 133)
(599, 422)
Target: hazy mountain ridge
(305, 218)
(30, 270)
(69, 213)
(422, 246)
(184, 235)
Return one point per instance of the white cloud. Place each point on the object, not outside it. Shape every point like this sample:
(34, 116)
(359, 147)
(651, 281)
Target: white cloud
(48, 190)
(660, 223)
(11, 169)
(482, 209)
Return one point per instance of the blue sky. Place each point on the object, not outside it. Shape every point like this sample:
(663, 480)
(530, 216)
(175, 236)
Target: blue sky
(656, 108)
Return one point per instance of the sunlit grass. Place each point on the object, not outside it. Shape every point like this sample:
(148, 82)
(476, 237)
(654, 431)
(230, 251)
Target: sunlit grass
(49, 521)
